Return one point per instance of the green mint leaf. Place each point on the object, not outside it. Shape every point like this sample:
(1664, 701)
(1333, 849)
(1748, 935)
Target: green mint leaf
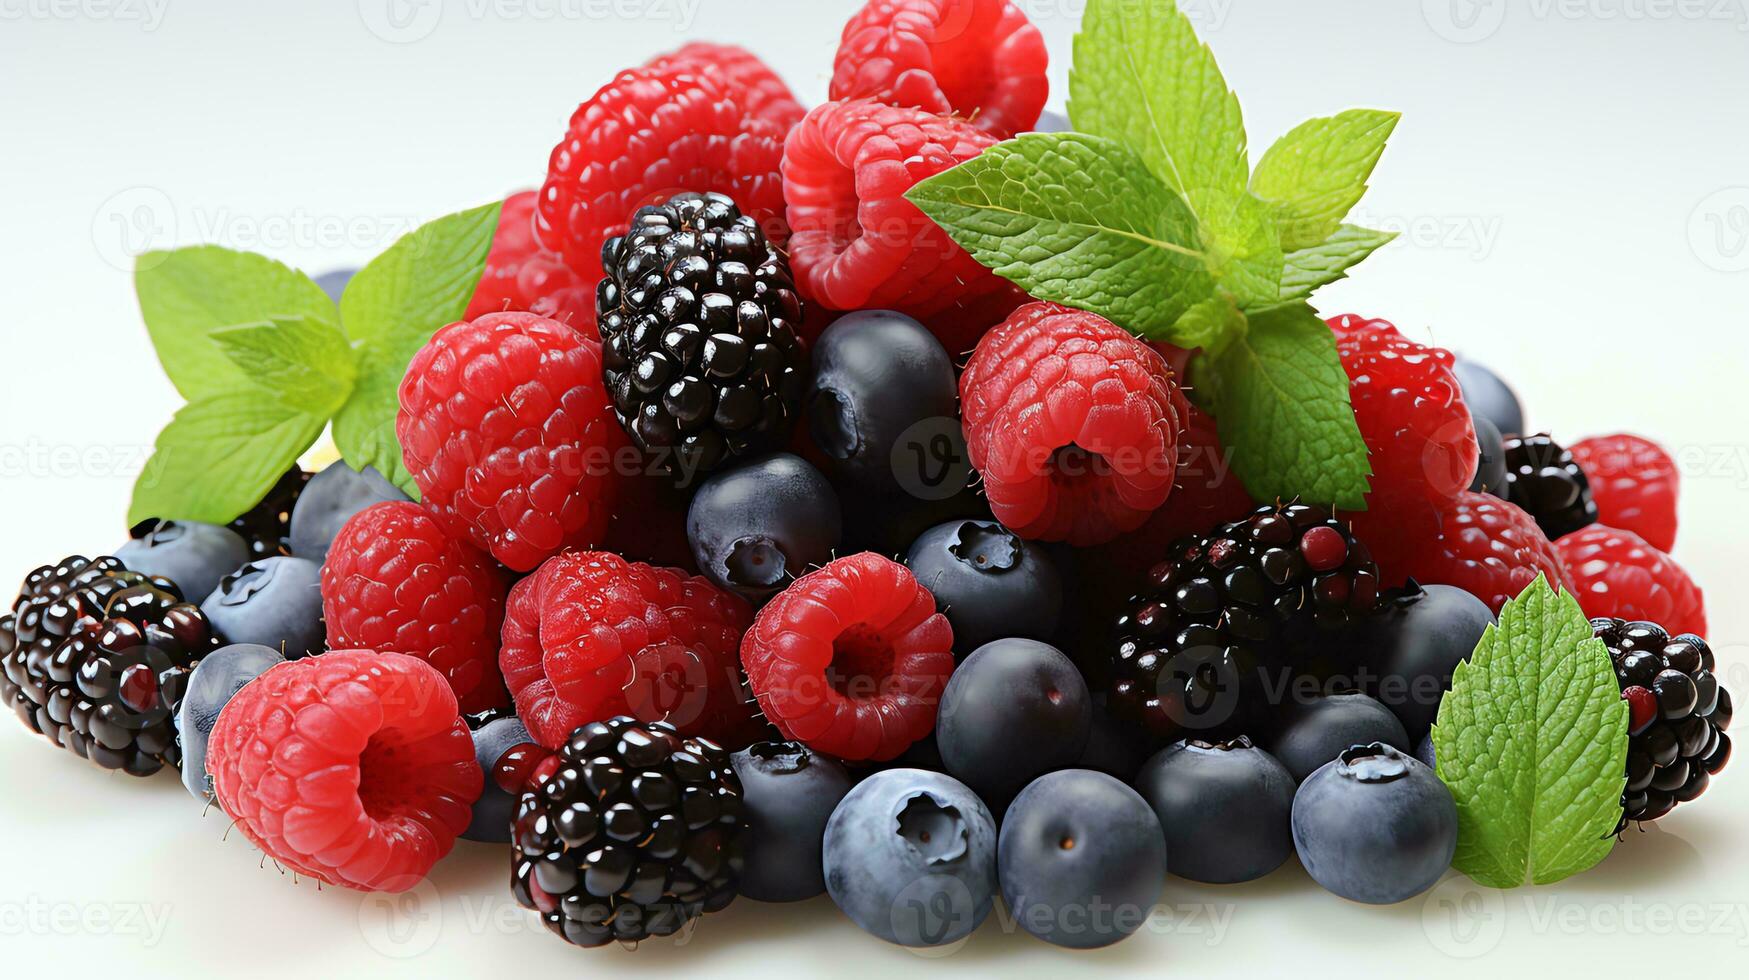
(1141, 77)
(1244, 254)
(1306, 269)
(1317, 172)
(390, 309)
(1211, 323)
(1280, 397)
(220, 455)
(305, 363)
(1077, 220)
(187, 294)
(1532, 740)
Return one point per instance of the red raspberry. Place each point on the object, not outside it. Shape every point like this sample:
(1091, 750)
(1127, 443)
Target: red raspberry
(981, 60)
(856, 243)
(1072, 422)
(1478, 542)
(1634, 482)
(1353, 323)
(758, 88)
(851, 659)
(1411, 413)
(647, 135)
(1617, 574)
(522, 276)
(396, 580)
(591, 635)
(506, 428)
(353, 767)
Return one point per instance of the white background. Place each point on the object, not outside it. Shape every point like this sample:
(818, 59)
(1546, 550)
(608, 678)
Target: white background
(1572, 179)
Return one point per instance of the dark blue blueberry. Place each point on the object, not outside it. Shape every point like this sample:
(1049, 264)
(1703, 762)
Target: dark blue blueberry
(211, 685)
(195, 556)
(275, 602)
(1416, 644)
(1488, 397)
(1081, 858)
(329, 501)
(756, 527)
(1224, 808)
(1315, 731)
(334, 282)
(1012, 711)
(1375, 826)
(1052, 122)
(790, 793)
(1490, 459)
(988, 582)
(1425, 754)
(1112, 748)
(495, 809)
(910, 856)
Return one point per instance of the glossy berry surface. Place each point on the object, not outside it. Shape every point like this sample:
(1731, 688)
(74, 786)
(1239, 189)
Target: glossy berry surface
(1486, 546)
(1224, 807)
(1315, 731)
(1411, 413)
(1543, 479)
(1616, 574)
(495, 735)
(522, 275)
(1490, 459)
(211, 685)
(1635, 483)
(274, 602)
(267, 525)
(1489, 396)
(989, 582)
(1411, 648)
(1374, 825)
(193, 555)
(1013, 710)
(756, 527)
(790, 792)
(330, 500)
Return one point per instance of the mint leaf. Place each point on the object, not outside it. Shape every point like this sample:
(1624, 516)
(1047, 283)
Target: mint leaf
(1210, 323)
(305, 363)
(1141, 77)
(1239, 237)
(1317, 172)
(220, 455)
(1306, 269)
(1532, 741)
(390, 309)
(1280, 397)
(188, 293)
(1077, 220)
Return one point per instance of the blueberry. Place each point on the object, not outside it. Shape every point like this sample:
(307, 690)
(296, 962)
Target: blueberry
(757, 526)
(495, 809)
(1224, 807)
(1081, 858)
(211, 685)
(1488, 397)
(276, 602)
(1490, 459)
(1416, 644)
(877, 375)
(1375, 826)
(195, 556)
(329, 501)
(988, 582)
(910, 856)
(1315, 731)
(1425, 754)
(1111, 748)
(334, 282)
(1052, 122)
(790, 793)
(1014, 710)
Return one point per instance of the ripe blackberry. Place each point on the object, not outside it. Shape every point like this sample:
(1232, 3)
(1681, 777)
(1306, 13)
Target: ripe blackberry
(629, 831)
(97, 658)
(1543, 479)
(1678, 713)
(267, 525)
(698, 317)
(1230, 617)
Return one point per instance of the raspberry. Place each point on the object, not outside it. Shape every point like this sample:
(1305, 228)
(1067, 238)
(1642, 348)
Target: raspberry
(1616, 574)
(396, 580)
(1352, 323)
(981, 60)
(353, 767)
(647, 135)
(760, 91)
(1478, 543)
(1634, 482)
(591, 635)
(856, 243)
(851, 659)
(522, 276)
(1073, 424)
(506, 428)
(1410, 411)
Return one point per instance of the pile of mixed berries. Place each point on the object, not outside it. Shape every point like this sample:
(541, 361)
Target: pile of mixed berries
(897, 585)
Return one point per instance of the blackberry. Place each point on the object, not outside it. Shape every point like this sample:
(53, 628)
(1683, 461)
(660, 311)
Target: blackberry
(1678, 713)
(1543, 480)
(698, 317)
(628, 831)
(97, 659)
(267, 525)
(1232, 617)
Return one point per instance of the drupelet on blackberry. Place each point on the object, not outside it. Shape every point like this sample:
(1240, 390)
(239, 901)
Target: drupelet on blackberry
(698, 317)
(1545, 482)
(1678, 713)
(629, 831)
(267, 525)
(1225, 626)
(97, 658)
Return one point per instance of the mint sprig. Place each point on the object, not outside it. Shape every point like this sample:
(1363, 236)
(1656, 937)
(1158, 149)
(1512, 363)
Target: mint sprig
(267, 361)
(1532, 740)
